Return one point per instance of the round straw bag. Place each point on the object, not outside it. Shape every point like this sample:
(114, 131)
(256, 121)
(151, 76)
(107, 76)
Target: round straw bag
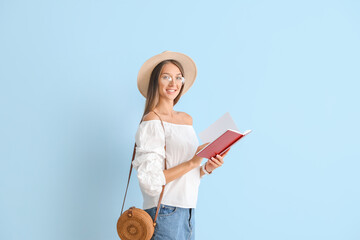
(135, 224)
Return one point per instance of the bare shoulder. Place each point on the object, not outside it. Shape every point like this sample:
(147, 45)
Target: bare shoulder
(186, 118)
(150, 116)
(180, 118)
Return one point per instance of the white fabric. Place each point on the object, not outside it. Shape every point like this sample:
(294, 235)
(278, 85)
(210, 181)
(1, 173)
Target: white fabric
(181, 145)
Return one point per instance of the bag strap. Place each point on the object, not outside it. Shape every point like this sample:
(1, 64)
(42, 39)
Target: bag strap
(127, 186)
(131, 166)
(163, 187)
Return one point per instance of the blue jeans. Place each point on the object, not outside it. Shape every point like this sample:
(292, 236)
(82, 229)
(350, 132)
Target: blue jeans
(173, 223)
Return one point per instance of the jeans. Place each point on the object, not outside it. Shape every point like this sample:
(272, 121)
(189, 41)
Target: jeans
(173, 223)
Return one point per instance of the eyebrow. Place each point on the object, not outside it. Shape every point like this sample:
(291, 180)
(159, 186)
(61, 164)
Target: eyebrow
(170, 74)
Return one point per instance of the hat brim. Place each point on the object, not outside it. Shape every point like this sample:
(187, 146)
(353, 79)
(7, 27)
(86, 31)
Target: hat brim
(146, 69)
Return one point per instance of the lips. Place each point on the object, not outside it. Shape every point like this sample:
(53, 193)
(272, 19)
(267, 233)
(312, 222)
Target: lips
(171, 91)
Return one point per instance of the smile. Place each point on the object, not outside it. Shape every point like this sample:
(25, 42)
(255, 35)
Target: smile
(170, 91)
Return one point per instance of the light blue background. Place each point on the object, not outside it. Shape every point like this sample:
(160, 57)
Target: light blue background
(70, 108)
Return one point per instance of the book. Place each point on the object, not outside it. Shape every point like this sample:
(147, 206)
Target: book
(222, 124)
(222, 143)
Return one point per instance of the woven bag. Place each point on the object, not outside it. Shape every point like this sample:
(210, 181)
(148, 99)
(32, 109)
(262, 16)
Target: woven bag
(135, 223)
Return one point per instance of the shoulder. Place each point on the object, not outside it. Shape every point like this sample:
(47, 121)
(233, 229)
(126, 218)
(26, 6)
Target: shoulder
(186, 118)
(181, 118)
(150, 116)
(149, 129)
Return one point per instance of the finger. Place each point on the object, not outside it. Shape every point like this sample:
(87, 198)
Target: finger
(226, 152)
(216, 161)
(212, 164)
(220, 158)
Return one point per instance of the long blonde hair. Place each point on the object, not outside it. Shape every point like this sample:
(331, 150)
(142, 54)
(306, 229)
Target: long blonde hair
(152, 98)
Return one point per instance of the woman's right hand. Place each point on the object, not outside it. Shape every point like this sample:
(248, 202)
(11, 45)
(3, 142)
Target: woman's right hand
(196, 160)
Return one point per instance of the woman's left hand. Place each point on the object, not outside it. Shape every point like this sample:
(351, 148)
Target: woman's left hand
(215, 162)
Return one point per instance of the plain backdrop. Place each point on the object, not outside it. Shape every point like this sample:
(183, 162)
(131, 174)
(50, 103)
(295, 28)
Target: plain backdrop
(70, 108)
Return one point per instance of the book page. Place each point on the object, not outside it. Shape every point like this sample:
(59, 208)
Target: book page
(217, 128)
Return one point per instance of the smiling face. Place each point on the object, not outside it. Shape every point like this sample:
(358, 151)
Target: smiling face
(170, 81)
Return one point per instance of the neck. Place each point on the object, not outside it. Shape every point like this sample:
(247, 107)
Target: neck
(165, 107)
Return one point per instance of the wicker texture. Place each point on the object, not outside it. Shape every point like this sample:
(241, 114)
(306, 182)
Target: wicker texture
(135, 224)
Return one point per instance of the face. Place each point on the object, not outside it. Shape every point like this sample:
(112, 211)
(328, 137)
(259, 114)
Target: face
(170, 81)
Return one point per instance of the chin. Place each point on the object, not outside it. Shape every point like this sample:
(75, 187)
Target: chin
(171, 98)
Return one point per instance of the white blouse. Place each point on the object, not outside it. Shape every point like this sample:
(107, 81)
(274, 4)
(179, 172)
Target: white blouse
(181, 146)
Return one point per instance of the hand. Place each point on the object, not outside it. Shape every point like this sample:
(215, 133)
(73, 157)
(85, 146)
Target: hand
(215, 162)
(196, 160)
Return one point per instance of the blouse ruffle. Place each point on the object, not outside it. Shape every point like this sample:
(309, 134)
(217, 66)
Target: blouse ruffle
(149, 157)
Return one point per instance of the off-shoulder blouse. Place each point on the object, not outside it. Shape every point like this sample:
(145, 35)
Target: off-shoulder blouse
(181, 145)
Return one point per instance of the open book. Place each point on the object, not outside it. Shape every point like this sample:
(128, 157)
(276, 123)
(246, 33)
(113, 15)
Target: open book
(222, 143)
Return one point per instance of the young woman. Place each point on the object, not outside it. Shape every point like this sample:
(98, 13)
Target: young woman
(162, 80)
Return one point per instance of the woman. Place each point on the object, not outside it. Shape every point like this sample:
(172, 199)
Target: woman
(162, 80)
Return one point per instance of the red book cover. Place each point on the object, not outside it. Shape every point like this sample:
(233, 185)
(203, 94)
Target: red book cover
(222, 143)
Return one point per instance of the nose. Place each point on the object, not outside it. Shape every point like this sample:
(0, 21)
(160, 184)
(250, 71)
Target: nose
(172, 82)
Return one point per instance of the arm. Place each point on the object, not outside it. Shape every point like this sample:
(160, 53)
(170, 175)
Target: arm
(181, 169)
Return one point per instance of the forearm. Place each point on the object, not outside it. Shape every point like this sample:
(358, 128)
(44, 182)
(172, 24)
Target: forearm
(178, 171)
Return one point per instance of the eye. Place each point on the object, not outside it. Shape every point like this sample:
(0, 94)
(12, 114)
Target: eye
(165, 77)
(179, 78)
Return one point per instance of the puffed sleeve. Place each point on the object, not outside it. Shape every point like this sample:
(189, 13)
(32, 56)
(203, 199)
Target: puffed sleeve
(150, 156)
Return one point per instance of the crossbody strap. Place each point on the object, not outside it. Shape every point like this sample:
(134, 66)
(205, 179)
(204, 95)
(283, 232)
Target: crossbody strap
(163, 187)
(131, 166)
(127, 186)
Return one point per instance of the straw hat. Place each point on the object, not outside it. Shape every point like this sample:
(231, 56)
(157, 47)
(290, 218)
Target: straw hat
(146, 69)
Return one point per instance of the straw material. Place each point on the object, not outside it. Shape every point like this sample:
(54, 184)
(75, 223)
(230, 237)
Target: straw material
(135, 224)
